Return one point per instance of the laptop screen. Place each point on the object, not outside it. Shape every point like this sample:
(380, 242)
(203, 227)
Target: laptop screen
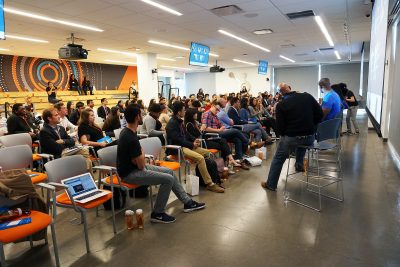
(80, 184)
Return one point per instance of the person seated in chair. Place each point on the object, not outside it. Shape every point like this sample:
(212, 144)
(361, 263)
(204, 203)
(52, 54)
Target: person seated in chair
(151, 124)
(86, 85)
(76, 114)
(103, 110)
(177, 135)
(112, 122)
(132, 168)
(18, 122)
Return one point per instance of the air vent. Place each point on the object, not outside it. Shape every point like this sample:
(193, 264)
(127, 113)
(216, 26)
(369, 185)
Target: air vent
(223, 11)
(326, 49)
(301, 14)
(287, 45)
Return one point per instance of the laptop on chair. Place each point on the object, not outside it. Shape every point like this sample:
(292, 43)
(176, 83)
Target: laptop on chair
(83, 189)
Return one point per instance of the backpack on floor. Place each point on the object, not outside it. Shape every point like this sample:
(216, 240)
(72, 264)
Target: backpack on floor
(212, 168)
(119, 198)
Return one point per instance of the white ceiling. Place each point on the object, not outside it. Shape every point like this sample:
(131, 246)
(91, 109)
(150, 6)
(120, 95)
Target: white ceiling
(131, 23)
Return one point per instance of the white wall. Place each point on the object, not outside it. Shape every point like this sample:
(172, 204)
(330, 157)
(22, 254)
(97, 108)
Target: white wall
(196, 80)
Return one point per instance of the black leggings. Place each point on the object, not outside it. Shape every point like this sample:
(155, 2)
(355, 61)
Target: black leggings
(221, 145)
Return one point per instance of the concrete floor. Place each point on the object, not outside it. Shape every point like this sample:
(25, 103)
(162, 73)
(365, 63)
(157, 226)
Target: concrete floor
(248, 226)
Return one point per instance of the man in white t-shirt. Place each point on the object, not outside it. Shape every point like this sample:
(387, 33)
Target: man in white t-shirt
(64, 122)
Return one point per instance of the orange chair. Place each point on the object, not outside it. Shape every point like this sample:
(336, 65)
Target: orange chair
(67, 167)
(39, 222)
(20, 157)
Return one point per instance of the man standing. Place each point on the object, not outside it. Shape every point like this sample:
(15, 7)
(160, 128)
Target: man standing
(177, 135)
(131, 166)
(331, 104)
(296, 116)
(103, 110)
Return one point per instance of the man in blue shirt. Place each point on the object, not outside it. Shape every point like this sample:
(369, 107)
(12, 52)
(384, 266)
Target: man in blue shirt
(331, 103)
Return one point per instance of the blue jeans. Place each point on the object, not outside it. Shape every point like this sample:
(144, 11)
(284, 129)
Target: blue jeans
(258, 131)
(236, 137)
(285, 146)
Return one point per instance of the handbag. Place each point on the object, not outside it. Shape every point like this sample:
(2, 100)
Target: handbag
(253, 161)
(192, 183)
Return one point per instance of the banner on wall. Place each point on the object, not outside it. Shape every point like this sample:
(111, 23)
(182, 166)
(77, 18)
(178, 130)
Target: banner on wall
(21, 74)
(262, 67)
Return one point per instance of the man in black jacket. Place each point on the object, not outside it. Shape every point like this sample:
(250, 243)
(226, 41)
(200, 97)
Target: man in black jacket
(18, 122)
(297, 116)
(103, 110)
(177, 135)
(55, 140)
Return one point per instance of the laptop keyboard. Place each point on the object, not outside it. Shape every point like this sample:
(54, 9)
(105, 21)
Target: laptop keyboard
(89, 195)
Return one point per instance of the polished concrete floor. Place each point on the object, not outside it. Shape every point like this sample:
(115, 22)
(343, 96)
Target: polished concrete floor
(248, 226)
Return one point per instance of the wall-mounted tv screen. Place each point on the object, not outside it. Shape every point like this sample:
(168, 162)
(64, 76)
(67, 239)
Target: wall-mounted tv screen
(2, 28)
(199, 55)
(262, 67)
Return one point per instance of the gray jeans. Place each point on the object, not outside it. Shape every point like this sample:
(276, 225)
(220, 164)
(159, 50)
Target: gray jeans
(352, 116)
(155, 175)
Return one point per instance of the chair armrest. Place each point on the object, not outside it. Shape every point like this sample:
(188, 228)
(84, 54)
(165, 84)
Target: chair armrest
(58, 185)
(46, 186)
(212, 134)
(104, 168)
(46, 156)
(143, 135)
(148, 156)
(173, 147)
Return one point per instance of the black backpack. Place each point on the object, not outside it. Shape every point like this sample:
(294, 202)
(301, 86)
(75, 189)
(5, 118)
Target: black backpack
(119, 198)
(212, 170)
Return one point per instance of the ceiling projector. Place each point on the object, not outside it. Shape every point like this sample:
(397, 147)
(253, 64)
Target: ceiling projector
(216, 68)
(72, 51)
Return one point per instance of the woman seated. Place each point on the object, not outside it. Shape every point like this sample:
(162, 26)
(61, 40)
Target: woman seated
(89, 132)
(112, 122)
(51, 91)
(164, 117)
(258, 111)
(151, 125)
(192, 128)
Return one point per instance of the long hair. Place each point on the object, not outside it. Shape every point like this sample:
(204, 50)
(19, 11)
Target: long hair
(112, 119)
(244, 102)
(84, 119)
(189, 116)
(69, 109)
(251, 102)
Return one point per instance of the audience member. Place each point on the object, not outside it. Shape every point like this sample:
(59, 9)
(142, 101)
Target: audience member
(297, 116)
(331, 104)
(70, 108)
(74, 84)
(103, 110)
(121, 106)
(51, 91)
(151, 124)
(64, 122)
(177, 135)
(164, 117)
(131, 166)
(29, 104)
(86, 85)
(76, 114)
(89, 132)
(200, 94)
(19, 123)
(112, 122)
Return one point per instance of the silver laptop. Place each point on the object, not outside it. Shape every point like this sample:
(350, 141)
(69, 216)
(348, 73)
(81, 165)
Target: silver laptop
(83, 188)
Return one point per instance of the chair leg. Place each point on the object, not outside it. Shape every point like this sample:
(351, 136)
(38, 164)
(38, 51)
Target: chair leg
(55, 246)
(85, 230)
(30, 241)
(113, 213)
(151, 198)
(2, 256)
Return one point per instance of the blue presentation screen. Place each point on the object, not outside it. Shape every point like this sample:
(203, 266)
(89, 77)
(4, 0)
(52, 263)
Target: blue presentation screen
(199, 55)
(263, 67)
(2, 29)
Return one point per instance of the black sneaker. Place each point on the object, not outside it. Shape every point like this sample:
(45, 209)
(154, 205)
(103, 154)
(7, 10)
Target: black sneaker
(161, 218)
(193, 205)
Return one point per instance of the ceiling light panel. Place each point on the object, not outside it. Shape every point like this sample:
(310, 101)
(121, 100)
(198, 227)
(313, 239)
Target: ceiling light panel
(49, 19)
(286, 58)
(117, 52)
(245, 62)
(324, 30)
(163, 7)
(337, 55)
(29, 39)
(243, 40)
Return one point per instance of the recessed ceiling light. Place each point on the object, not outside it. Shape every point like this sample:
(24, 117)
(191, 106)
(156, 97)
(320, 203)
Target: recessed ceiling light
(121, 62)
(263, 31)
(176, 47)
(166, 59)
(160, 6)
(173, 67)
(245, 62)
(117, 52)
(324, 30)
(337, 55)
(243, 40)
(45, 18)
(26, 38)
(286, 58)
(4, 49)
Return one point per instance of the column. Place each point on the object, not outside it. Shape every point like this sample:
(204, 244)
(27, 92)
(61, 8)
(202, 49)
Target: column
(147, 81)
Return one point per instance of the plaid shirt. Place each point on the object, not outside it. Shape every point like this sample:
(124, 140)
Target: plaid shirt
(210, 120)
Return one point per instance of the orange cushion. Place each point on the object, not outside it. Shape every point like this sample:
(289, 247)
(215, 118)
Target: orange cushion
(35, 145)
(39, 178)
(64, 199)
(36, 157)
(172, 165)
(115, 182)
(214, 151)
(175, 157)
(39, 221)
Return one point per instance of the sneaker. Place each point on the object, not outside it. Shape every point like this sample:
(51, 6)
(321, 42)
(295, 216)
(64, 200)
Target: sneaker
(215, 188)
(193, 205)
(161, 218)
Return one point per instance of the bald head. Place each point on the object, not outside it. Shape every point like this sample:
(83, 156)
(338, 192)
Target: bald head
(325, 83)
(284, 88)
